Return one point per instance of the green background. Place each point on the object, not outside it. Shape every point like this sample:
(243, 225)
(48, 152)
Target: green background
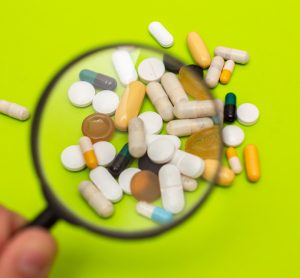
(248, 230)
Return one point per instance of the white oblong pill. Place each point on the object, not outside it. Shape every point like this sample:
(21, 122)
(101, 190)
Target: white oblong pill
(72, 158)
(161, 34)
(174, 139)
(161, 151)
(233, 135)
(106, 102)
(105, 152)
(81, 93)
(171, 188)
(238, 56)
(106, 184)
(213, 74)
(151, 69)
(125, 179)
(152, 121)
(247, 114)
(124, 66)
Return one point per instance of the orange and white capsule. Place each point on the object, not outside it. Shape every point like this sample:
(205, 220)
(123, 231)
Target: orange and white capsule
(87, 149)
(251, 158)
(234, 161)
(227, 71)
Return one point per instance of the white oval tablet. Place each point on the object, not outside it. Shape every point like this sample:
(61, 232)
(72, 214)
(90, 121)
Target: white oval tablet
(161, 151)
(125, 179)
(233, 135)
(72, 158)
(174, 139)
(152, 121)
(106, 102)
(81, 94)
(105, 152)
(124, 66)
(247, 114)
(151, 69)
(161, 34)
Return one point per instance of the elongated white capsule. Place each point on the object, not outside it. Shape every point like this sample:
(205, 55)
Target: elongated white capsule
(188, 126)
(106, 184)
(14, 110)
(195, 109)
(213, 74)
(137, 138)
(188, 164)
(227, 71)
(188, 183)
(173, 88)
(238, 56)
(161, 34)
(124, 66)
(96, 199)
(157, 214)
(171, 188)
(160, 100)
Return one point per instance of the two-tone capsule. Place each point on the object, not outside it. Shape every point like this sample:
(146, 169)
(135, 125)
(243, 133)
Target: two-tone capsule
(230, 108)
(99, 80)
(233, 160)
(227, 71)
(88, 152)
(157, 214)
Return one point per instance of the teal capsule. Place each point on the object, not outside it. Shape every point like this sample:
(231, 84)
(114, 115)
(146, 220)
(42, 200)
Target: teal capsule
(99, 80)
(230, 108)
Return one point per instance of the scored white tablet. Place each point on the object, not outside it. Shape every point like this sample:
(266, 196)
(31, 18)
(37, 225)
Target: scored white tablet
(152, 121)
(161, 150)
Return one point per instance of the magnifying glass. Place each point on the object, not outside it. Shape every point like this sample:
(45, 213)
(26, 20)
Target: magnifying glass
(57, 124)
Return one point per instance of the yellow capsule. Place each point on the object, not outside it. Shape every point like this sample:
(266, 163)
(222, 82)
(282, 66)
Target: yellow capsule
(233, 160)
(227, 71)
(252, 163)
(198, 50)
(130, 104)
(225, 176)
(87, 149)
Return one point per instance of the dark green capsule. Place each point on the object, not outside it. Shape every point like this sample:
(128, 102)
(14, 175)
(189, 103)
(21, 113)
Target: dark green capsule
(230, 108)
(121, 161)
(172, 64)
(99, 80)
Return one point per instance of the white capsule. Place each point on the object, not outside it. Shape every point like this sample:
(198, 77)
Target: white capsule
(96, 199)
(213, 74)
(172, 138)
(188, 126)
(137, 138)
(106, 184)
(161, 151)
(171, 188)
(124, 66)
(173, 88)
(161, 34)
(188, 164)
(14, 110)
(238, 56)
(194, 109)
(188, 183)
(160, 100)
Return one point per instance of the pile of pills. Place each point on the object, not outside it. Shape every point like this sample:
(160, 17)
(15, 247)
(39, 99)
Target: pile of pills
(179, 95)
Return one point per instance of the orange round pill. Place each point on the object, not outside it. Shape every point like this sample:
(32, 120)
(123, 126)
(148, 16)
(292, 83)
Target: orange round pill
(145, 186)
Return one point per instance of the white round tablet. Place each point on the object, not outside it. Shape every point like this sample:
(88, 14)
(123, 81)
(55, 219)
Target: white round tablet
(174, 139)
(81, 94)
(247, 114)
(161, 151)
(125, 178)
(106, 102)
(233, 135)
(151, 69)
(72, 158)
(105, 152)
(152, 121)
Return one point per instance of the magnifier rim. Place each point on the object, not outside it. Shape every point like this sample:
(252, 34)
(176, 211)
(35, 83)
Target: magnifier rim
(60, 210)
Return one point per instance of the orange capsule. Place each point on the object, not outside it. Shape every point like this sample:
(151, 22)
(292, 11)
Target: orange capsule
(87, 149)
(252, 163)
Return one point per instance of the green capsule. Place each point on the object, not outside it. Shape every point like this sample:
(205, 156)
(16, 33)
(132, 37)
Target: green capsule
(230, 108)
(99, 80)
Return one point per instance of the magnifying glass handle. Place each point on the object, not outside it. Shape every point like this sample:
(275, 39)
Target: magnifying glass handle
(45, 219)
